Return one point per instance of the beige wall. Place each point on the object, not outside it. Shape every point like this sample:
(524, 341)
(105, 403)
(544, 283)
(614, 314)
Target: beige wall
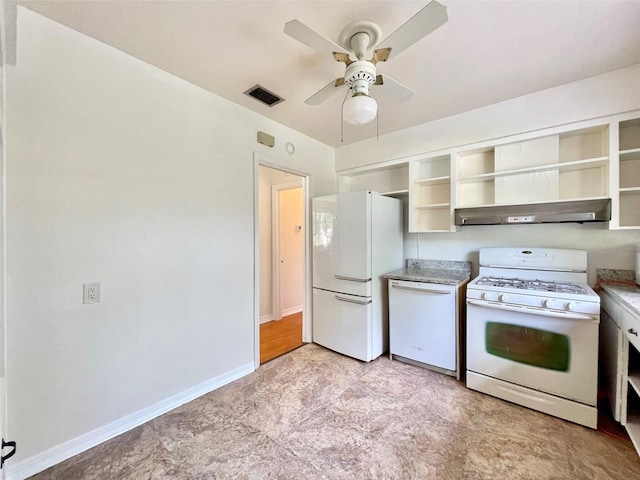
(120, 173)
(607, 94)
(605, 248)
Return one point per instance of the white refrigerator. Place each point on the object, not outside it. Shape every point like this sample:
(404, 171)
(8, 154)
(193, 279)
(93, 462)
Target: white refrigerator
(357, 237)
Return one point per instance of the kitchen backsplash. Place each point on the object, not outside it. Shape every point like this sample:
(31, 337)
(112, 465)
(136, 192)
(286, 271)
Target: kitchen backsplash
(617, 275)
(439, 264)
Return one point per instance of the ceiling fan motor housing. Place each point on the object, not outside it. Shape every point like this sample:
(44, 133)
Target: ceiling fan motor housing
(360, 75)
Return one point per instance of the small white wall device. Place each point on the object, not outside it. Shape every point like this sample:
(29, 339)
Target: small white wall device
(266, 139)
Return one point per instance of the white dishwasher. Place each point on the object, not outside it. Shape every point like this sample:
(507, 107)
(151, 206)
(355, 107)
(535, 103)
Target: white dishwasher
(423, 324)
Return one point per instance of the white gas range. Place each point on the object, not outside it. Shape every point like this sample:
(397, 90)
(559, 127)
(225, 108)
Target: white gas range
(532, 331)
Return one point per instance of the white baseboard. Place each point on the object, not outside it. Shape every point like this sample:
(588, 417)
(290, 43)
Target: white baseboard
(291, 310)
(41, 461)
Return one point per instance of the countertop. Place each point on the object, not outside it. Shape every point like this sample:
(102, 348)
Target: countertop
(433, 271)
(627, 295)
(621, 285)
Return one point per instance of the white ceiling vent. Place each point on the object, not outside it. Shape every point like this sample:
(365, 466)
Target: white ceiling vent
(263, 95)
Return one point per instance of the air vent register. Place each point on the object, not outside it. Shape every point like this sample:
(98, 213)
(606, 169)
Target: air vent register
(264, 96)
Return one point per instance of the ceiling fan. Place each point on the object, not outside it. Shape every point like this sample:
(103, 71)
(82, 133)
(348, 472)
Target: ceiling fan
(360, 74)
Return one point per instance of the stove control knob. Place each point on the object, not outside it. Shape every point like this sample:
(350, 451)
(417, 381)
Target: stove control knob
(547, 303)
(569, 306)
(503, 297)
(484, 296)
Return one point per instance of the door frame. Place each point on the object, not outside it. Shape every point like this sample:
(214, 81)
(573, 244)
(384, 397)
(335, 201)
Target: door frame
(8, 41)
(275, 243)
(279, 164)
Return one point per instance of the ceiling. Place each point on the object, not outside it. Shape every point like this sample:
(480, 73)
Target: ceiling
(488, 51)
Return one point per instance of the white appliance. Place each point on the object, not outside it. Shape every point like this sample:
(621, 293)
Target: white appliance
(423, 323)
(532, 331)
(357, 237)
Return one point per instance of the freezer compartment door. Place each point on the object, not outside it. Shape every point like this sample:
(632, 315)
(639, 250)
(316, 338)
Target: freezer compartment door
(342, 323)
(342, 243)
(422, 323)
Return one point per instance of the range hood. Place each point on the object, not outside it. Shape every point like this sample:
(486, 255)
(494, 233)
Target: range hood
(554, 212)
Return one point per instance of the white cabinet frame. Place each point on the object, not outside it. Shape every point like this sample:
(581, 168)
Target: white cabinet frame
(588, 167)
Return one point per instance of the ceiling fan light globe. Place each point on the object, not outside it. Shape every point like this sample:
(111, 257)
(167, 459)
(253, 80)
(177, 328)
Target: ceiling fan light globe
(359, 109)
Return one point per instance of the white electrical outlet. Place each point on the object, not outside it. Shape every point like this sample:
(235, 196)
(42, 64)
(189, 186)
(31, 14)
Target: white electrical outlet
(91, 292)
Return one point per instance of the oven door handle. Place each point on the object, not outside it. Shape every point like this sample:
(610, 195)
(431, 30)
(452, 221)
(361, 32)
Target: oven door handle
(534, 311)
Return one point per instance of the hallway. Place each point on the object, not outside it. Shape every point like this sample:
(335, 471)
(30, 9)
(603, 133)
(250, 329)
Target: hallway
(280, 336)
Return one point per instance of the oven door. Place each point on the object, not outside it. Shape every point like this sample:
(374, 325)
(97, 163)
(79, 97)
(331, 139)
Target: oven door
(553, 352)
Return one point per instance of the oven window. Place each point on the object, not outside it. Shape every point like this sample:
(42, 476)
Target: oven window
(527, 345)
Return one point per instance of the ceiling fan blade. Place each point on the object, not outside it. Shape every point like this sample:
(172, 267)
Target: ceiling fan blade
(428, 19)
(393, 89)
(299, 31)
(343, 57)
(325, 92)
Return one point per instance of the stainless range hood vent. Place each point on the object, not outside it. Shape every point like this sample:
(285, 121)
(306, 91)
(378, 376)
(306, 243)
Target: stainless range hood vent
(555, 212)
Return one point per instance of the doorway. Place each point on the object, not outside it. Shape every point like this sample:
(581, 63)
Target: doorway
(281, 224)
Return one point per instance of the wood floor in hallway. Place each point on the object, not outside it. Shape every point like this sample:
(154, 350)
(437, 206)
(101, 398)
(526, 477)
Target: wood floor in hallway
(280, 336)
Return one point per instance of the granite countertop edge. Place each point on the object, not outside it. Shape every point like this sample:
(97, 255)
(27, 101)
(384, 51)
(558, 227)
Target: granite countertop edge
(629, 296)
(621, 285)
(444, 272)
(430, 275)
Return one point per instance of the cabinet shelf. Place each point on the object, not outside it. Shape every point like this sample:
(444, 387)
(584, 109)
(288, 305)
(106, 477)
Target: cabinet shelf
(630, 154)
(395, 192)
(634, 381)
(576, 165)
(433, 181)
(386, 180)
(432, 206)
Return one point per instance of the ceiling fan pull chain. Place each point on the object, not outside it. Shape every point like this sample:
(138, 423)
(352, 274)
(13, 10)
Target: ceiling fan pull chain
(342, 116)
(378, 125)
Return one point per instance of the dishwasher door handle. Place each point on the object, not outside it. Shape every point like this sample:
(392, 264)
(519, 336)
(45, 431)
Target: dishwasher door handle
(424, 290)
(357, 302)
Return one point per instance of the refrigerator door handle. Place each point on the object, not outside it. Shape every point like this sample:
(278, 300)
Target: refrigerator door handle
(359, 302)
(353, 279)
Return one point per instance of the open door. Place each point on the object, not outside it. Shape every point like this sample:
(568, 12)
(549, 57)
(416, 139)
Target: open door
(288, 251)
(282, 262)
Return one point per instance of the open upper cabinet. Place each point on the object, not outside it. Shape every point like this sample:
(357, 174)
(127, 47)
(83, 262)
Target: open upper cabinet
(572, 165)
(595, 159)
(430, 194)
(628, 184)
